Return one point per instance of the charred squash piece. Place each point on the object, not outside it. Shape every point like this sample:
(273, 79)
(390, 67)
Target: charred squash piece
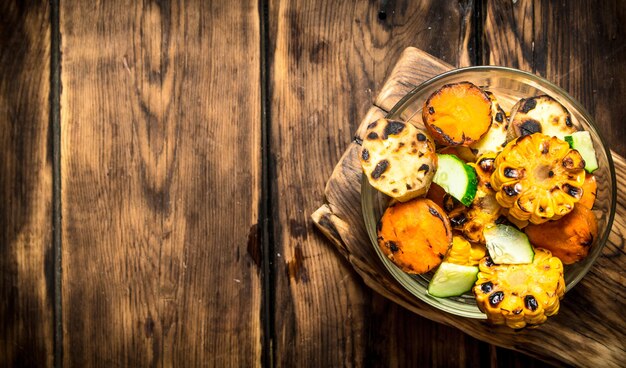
(398, 159)
(569, 238)
(457, 114)
(541, 114)
(415, 235)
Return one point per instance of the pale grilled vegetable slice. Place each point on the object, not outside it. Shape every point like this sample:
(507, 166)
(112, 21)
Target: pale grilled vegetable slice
(398, 159)
(456, 178)
(581, 142)
(507, 245)
(452, 280)
(540, 114)
(496, 137)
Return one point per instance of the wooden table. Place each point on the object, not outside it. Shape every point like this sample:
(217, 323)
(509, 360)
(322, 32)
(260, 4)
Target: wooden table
(160, 162)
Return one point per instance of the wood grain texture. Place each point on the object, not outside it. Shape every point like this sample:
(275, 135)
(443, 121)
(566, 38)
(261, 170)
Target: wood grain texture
(26, 258)
(161, 183)
(557, 341)
(326, 63)
(579, 46)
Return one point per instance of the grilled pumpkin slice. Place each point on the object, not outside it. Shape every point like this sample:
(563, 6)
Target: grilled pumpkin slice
(520, 295)
(569, 238)
(457, 114)
(538, 178)
(415, 235)
(541, 114)
(398, 159)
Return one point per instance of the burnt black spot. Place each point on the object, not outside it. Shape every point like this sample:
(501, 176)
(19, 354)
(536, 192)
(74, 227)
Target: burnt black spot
(486, 164)
(395, 190)
(393, 247)
(358, 141)
(517, 311)
(511, 173)
(496, 298)
(380, 168)
(440, 256)
(365, 154)
(420, 154)
(488, 185)
(568, 122)
(408, 186)
(458, 220)
(421, 137)
(531, 302)
(545, 148)
(530, 126)
(431, 110)
(488, 262)
(393, 128)
(588, 241)
(510, 190)
(541, 209)
(486, 287)
(372, 125)
(550, 173)
(424, 168)
(448, 203)
(499, 117)
(528, 105)
(568, 163)
(372, 135)
(572, 191)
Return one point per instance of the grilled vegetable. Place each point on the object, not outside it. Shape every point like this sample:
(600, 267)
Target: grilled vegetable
(452, 280)
(590, 190)
(415, 235)
(484, 210)
(581, 141)
(540, 114)
(464, 153)
(496, 137)
(398, 159)
(465, 253)
(538, 178)
(457, 114)
(507, 245)
(456, 178)
(569, 238)
(520, 295)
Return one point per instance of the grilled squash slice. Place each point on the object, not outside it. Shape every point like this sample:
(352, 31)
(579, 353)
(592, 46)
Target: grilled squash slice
(541, 114)
(398, 159)
(496, 137)
(415, 235)
(569, 238)
(520, 295)
(538, 178)
(457, 114)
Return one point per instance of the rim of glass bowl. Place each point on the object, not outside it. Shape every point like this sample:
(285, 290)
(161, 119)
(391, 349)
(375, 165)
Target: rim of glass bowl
(467, 310)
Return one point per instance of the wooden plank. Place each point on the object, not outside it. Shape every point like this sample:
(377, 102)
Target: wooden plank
(580, 46)
(589, 317)
(26, 252)
(161, 183)
(327, 62)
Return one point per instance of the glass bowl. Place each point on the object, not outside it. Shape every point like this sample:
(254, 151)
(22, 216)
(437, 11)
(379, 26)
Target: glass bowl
(508, 85)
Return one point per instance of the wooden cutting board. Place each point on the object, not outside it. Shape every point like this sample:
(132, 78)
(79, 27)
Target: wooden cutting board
(589, 329)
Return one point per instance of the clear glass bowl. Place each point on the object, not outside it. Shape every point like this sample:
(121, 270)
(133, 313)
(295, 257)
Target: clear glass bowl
(508, 85)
